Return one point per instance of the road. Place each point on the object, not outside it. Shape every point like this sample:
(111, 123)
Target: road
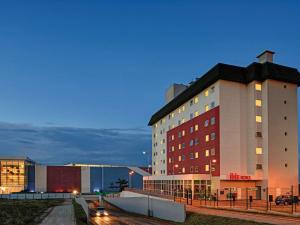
(117, 217)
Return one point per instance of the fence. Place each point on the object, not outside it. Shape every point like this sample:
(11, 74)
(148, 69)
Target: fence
(282, 200)
(35, 196)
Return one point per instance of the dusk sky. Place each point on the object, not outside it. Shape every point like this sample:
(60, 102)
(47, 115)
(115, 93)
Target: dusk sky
(79, 80)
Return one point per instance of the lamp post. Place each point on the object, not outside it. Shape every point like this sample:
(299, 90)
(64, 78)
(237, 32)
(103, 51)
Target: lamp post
(174, 166)
(148, 195)
(130, 174)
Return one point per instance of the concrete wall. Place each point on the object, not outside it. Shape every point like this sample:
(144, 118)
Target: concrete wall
(159, 208)
(40, 178)
(85, 180)
(38, 196)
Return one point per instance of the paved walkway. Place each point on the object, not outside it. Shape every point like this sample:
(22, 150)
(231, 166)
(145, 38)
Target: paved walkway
(61, 215)
(272, 219)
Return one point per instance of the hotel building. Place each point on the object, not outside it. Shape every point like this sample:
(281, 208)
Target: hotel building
(233, 128)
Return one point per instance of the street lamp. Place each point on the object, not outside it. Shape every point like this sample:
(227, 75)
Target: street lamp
(148, 195)
(130, 174)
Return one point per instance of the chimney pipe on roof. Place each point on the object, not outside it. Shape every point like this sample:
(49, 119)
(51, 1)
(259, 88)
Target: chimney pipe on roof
(266, 56)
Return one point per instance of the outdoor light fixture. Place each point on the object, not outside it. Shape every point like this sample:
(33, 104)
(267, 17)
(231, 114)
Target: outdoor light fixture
(75, 192)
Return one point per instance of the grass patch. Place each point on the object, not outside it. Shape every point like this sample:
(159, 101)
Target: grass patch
(79, 214)
(23, 212)
(200, 219)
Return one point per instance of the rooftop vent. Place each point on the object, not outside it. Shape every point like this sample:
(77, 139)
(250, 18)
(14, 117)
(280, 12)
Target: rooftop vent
(266, 56)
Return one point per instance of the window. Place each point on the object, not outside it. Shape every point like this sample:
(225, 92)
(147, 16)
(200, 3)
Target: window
(196, 127)
(285, 118)
(212, 121)
(191, 142)
(183, 133)
(258, 87)
(258, 151)
(206, 123)
(212, 151)
(183, 170)
(191, 129)
(206, 168)
(258, 119)
(183, 157)
(183, 120)
(212, 105)
(183, 108)
(286, 165)
(179, 146)
(183, 145)
(285, 149)
(206, 153)
(207, 138)
(179, 122)
(196, 141)
(285, 133)
(179, 110)
(258, 134)
(284, 102)
(196, 100)
(179, 158)
(284, 86)
(172, 148)
(191, 115)
(206, 108)
(196, 155)
(206, 93)
(173, 137)
(213, 136)
(191, 102)
(258, 103)
(196, 169)
(196, 114)
(212, 89)
(191, 155)
(179, 134)
(259, 166)
(191, 169)
(173, 126)
(172, 115)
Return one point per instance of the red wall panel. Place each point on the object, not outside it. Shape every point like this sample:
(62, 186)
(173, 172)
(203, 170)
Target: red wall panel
(63, 179)
(201, 147)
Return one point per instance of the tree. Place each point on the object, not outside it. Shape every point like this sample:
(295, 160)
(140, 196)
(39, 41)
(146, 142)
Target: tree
(122, 184)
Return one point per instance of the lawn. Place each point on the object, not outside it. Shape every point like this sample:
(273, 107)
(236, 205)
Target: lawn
(79, 214)
(200, 219)
(23, 212)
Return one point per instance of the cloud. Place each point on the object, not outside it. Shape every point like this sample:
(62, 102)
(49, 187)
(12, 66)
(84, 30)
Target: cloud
(59, 145)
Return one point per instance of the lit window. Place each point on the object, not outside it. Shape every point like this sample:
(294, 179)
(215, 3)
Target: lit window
(183, 108)
(179, 110)
(172, 137)
(183, 132)
(173, 126)
(196, 127)
(156, 125)
(207, 138)
(170, 160)
(206, 168)
(172, 115)
(196, 114)
(183, 120)
(206, 93)
(183, 170)
(258, 119)
(179, 146)
(179, 158)
(164, 120)
(172, 148)
(206, 108)
(206, 153)
(196, 100)
(258, 102)
(196, 155)
(258, 87)
(258, 151)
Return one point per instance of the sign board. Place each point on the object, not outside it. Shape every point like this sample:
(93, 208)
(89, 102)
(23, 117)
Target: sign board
(235, 176)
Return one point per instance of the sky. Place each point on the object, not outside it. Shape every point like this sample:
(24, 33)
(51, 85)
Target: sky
(79, 80)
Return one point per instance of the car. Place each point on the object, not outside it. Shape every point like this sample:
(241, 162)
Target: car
(99, 211)
(283, 200)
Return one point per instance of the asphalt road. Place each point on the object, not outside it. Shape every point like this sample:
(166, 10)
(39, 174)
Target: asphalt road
(117, 217)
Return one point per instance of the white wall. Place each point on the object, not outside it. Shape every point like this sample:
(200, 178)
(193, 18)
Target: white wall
(85, 180)
(40, 178)
(162, 209)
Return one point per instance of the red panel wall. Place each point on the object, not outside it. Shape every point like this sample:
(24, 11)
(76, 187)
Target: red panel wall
(202, 160)
(63, 179)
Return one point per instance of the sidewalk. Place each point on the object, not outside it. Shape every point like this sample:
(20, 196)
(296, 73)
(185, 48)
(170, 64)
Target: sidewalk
(262, 218)
(61, 215)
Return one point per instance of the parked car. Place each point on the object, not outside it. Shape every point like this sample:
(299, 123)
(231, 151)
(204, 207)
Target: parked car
(284, 200)
(99, 211)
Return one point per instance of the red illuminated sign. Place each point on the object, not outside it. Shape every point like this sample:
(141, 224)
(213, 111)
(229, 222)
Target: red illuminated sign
(235, 176)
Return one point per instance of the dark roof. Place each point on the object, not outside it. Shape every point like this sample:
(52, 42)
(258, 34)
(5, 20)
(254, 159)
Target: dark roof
(245, 75)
